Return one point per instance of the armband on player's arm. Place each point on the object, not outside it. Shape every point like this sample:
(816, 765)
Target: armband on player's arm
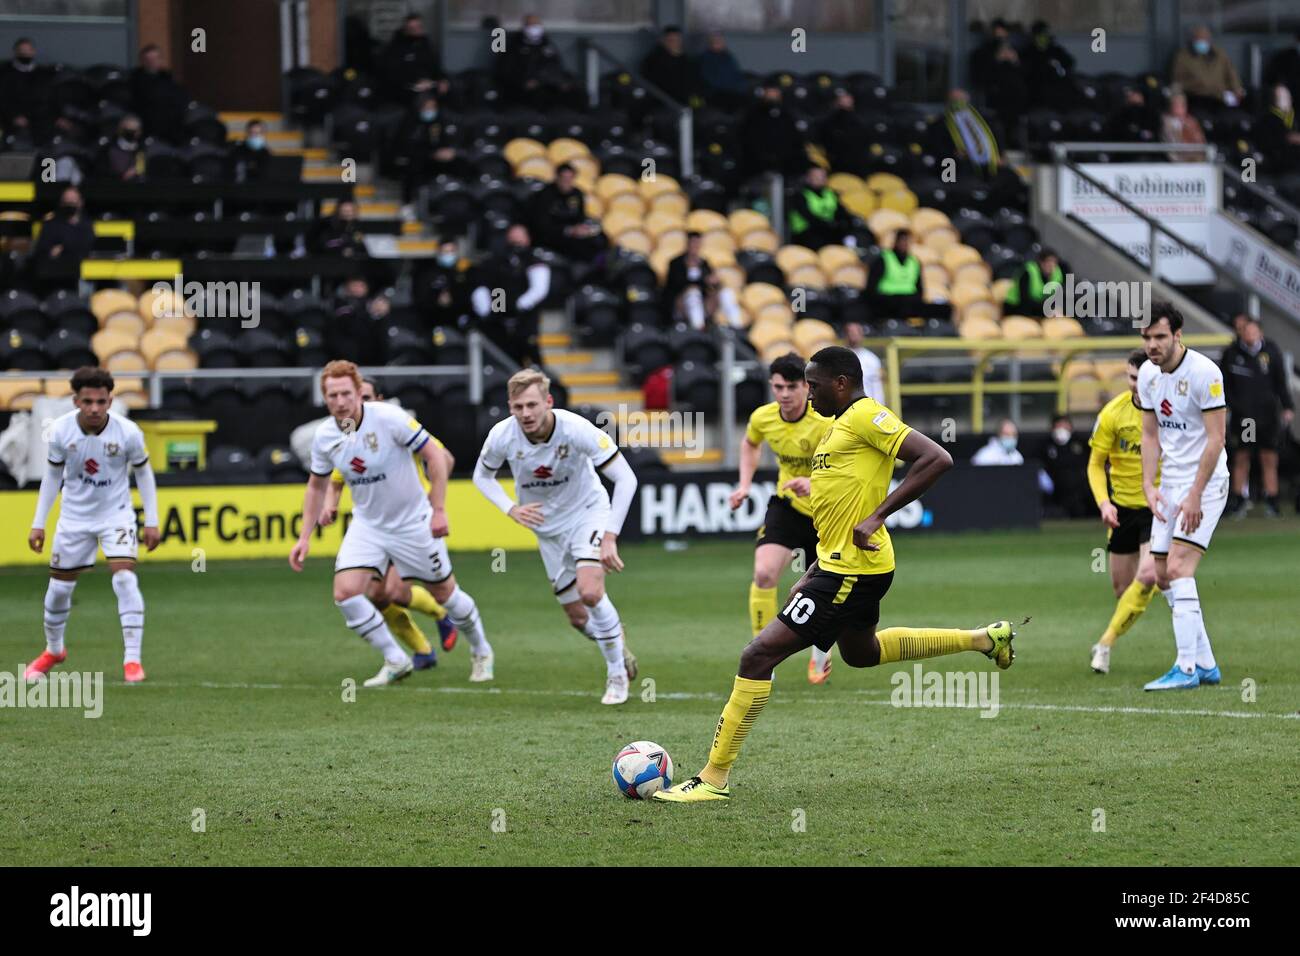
(1097, 477)
(485, 480)
(51, 482)
(620, 472)
(144, 480)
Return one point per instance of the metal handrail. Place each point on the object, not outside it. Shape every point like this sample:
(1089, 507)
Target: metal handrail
(593, 51)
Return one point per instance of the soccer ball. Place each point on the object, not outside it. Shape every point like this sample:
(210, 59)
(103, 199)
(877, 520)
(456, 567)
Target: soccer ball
(642, 768)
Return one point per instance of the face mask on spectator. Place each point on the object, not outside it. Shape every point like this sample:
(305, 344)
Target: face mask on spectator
(130, 135)
(68, 209)
(534, 33)
(24, 60)
(428, 116)
(257, 142)
(1201, 46)
(1008, 443)
(447, 259)
(1060, 435)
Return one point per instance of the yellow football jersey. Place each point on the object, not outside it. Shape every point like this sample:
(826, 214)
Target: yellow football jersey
(852, 467)
(792, 443)
(1118, 434)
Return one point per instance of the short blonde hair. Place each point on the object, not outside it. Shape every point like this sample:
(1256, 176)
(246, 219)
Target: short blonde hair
(525, 379)
(340, 368)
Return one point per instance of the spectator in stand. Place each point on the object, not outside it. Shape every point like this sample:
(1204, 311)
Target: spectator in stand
(816, 217)
(1284, 68)
(559, 219)
(687, 271)
(845, 137)
(428, 147)
(1007, 89)
(1133, 121)
(530, 71)
(123, 159)
(409, 64)
(1276, 133)
(25, 107)
(248, 160)
(156, 97)
(970, 135)
(1039, 278)
(873, 384)
(340, 234)
(693, 293)
(442, 288)
(1206, 74)
(982, 59)
(1065, 461)
(1260, 412)
(1049, 71)
(769, 139)
(1001, 449)
(357, 329)
(1180, 126)
(722, 78)
(894, 284)
(668, 67)
(67, 234)
(508, 294)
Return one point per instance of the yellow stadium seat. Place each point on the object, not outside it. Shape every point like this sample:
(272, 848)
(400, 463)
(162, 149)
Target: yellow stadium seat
(964, 295)
(935, 274)
(744, 221)
(1114, 385)
(658, 184)
(956, 256)
(659, 262)
(976, 272)
(657, 223)
(1079, 368)
(925, 255)
(846, 183)
(758, 294)
(128, 361)
(1111, 368)
(1000, 287)
(941, 239)
(718, 255)
(671, 204)
(1083, 395)
(57, 387)
(154, 305)
(536, 167)
(107, 302)
(981, 310)
(834, 257)
(629, 204)
(128, 322)
(1060, 327)
(903, 200)
(616, 223)
(614, 184)
(155, 342)
(861, 203)
(926, 219)
(763, 334)
(775, 312)
(775, 350)
(886, 221)
(706, 220)
(673, 242)
(1021, 327)
(813, 334)
(979, 328)
(182, 325)
(635, 240)
(854, 276)
(133, 399)
(759, 240)
(586, 171)
(592, 205)
(176, 360)
(19, 393)
(732, 276)
(790, 258)
(517, 150)
(807, 277)
(565, 150)
(885, 182)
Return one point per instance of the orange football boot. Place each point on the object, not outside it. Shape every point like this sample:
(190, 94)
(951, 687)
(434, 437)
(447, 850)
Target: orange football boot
(41, 666)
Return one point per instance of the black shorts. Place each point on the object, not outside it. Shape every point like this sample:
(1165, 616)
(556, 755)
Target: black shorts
(1267, 432)
(1134, 530)
(784, 526)
(827, 603)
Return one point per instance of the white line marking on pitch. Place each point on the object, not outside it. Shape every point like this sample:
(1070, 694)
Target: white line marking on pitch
(804, 699)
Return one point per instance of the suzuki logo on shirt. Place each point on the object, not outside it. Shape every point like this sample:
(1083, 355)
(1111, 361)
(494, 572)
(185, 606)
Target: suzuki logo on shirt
(542, 471)
(1165, 407)
(91, 466)
(358, 466)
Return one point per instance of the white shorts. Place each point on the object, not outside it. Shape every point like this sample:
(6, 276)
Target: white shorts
(74, 546)
(1213, 500)
(415, 552)
(564, 551)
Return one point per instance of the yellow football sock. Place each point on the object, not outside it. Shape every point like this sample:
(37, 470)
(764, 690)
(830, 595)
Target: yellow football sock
(744, 706)
(1128, 609)
(426, 603)
(762, 607)
(405, 630)
(916, 643)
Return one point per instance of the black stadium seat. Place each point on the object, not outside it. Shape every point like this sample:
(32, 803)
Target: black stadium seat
(22, 352)
(645, 349)
(214, 349)
(69, 348)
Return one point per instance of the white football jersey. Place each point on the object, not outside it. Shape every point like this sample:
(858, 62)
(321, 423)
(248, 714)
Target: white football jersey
(1179, 399)
(559, 473)
(96, 468)
(375, 459)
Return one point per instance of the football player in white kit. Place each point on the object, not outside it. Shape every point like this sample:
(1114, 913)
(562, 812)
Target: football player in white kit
(554, 455)
(91, 454)
(371, 444)
(1180, 392)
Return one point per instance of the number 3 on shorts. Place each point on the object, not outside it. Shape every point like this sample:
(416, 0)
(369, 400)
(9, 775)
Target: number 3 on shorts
(800, 608)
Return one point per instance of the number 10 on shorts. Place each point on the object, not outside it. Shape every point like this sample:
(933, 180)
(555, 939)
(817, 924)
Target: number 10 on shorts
(800, 608)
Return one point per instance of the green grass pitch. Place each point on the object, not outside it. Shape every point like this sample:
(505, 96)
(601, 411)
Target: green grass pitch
(243, 718)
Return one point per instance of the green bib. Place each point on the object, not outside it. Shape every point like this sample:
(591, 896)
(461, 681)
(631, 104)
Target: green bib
(900, 278)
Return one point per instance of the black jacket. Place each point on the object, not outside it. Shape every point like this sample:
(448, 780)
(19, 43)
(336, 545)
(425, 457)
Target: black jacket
(76, 238)
(846, 138)
(679, 279)
(160, 103)
(523, 61)
(25, 93)
(770, 141)
(1254, 385)
(551, 212)
(675, 75)
(354, 332)
(507, 270)
(335, 237)
(407, 60)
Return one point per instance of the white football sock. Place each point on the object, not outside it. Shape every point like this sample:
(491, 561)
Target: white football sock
(1168, 595)
(464, 614)
(819, 658)
(58, 605)
(1204, 655)
(130, 608)
(1187, 622)
(604, 627)
(361, 615)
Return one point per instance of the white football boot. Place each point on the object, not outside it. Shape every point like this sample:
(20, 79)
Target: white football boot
(615, 689)
(390, 674)
(481, 668)
(1101, 658)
